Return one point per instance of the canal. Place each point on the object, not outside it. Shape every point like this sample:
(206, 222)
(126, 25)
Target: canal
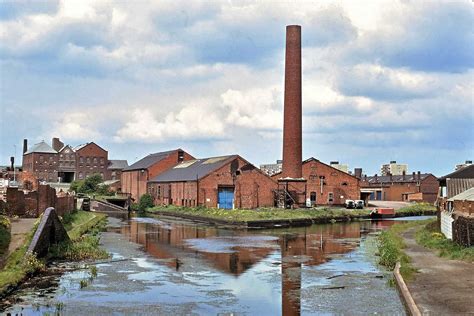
(170, 267)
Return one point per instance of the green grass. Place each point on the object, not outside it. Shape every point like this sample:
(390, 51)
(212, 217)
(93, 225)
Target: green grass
(417, 209)
(5, 235)
(82, 228)
(244, 215)
(391, 248)
(430, 237)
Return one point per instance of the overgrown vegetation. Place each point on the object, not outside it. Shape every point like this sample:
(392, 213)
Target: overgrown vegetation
(431, 237)
(5, 235)
(244, 215)
(91, 185)
(391, 248)
(417, 209)
(83, 229)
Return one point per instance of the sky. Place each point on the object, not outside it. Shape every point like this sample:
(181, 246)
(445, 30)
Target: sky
(382, 80)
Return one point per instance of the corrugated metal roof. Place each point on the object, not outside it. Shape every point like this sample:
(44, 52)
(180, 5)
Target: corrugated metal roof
(396, 179)
(457, 186)
(150, 160)
(467, 195)
(117, 164)
(193, 169)
(41, 147)
(463, 173)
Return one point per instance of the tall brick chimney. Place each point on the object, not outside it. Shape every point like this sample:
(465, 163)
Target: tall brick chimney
(25, 145)
(292, 123)
(57, 144)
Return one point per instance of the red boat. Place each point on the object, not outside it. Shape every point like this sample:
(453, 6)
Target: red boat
(382, 212)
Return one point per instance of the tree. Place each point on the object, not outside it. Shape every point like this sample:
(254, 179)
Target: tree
(89, 185)
(146, 201)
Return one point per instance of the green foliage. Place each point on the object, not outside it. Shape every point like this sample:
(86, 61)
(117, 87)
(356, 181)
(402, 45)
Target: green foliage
(90, 185)
(146, 202)
(104, 189)
(93, 271)
(83, 283)
(5, 235)
(85, 247)
(430, 237)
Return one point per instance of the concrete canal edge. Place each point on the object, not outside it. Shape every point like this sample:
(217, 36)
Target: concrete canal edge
(407, 299)
(262, 224)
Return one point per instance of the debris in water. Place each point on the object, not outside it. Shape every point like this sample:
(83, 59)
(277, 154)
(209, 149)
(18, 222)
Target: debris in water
(335, 276)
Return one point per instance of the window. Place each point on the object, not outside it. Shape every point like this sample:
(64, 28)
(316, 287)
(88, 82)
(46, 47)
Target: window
(95, 160)
(41, 158)
(344, 184)
(81, 159)
(80, 175)
(159, 191)
(101, 161)
(50, 158)
(312, 197)
(102, 175)
(330, 197)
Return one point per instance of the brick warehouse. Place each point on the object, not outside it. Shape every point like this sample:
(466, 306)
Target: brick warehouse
(326, 185)
(419, 187)
(225, 182)
(135, 177)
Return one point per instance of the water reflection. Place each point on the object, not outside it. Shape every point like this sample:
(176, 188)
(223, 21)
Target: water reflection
(234, 252)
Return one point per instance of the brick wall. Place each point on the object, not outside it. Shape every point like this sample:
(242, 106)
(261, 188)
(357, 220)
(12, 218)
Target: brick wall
(32, 204)
(43, 166)
(91, 159)
(342, 185)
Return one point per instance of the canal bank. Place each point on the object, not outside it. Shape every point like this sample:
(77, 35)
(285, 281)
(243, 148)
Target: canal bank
(279, 218)
(168, 266)
(21, 265)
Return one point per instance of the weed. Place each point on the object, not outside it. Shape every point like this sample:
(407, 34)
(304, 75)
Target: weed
(83, 283)
(93, 271)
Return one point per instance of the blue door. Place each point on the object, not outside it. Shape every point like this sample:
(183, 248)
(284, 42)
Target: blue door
(379, 195)
(226, 198)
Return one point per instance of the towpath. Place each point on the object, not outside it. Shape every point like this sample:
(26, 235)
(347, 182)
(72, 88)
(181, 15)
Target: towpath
(442, 286)
(20, 228)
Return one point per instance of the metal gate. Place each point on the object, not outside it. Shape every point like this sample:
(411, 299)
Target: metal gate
(225, 198)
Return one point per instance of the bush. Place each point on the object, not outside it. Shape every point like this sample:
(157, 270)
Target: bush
(146, 201)
(90, 185)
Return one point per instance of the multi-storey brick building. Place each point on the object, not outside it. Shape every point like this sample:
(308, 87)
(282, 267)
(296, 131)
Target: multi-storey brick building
(41, 162)
(115, 169)
(420, 187)
(91, 159)
(135, 177)
(225, 182)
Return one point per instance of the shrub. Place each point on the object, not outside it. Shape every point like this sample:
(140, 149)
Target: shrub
(31, 263)
(146, 201)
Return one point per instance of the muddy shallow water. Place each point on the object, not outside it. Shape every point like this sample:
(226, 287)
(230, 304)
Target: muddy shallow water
(163, 266)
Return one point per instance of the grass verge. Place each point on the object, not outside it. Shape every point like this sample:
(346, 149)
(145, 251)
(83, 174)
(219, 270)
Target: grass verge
(244, 215)
(417, 209)
(82, 227)
(391, 246)
(431, 237)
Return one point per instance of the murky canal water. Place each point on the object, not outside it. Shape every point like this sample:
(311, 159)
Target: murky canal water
(161, 266)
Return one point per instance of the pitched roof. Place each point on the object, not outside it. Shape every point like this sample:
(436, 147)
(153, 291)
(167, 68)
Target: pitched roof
(117, 164)
(397, 178)
(463, 173)
(150, 160)
(191, 170)
(467, 195)
(316, 160)
(79, 147)
(41, 147)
